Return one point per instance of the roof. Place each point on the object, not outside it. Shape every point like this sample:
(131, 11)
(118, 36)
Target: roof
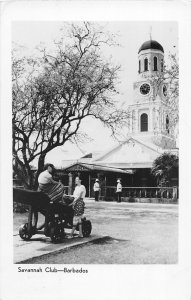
(90, 167)
(151, 44)
(152, 147)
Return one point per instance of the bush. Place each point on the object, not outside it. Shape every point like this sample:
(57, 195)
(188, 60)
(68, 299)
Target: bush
(131, 199)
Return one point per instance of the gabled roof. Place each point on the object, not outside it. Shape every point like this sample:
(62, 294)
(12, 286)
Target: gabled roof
(78, 166)
(151, 147)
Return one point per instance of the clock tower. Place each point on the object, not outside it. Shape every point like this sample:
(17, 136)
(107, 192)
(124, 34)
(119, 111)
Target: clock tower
(150, 113)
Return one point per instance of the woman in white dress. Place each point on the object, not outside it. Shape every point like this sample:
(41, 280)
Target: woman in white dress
(78, 206)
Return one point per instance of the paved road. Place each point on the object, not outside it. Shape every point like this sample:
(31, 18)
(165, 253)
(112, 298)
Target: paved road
(123, 233)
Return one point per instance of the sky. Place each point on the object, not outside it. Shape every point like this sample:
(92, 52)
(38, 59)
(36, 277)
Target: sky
(130, 36)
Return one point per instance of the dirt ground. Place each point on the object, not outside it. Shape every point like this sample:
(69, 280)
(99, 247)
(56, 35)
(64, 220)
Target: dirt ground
(133, 233)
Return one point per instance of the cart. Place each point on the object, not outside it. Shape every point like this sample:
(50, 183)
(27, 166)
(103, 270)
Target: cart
(58, 216)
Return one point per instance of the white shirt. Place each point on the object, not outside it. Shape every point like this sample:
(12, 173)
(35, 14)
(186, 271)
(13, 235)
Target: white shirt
(44, 177)
(96, 187)
(78, 190)
(119, 187)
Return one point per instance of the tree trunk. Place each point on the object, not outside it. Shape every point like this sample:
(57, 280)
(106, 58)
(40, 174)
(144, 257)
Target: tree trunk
(39, 170)
(24, 174)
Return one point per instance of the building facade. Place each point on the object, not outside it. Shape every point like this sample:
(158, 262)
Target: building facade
(150, 112)
(150, 131)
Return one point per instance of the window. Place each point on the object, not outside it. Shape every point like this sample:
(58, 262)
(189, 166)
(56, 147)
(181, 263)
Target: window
(167, 124)
(146, 64)
(155, 63)
(144, 122)
(139, 66)
(162, 65)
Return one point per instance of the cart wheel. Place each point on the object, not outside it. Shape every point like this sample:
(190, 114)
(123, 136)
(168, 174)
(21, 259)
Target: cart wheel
(23, 232)
(47, 229)
(56, 233)
(86, 228)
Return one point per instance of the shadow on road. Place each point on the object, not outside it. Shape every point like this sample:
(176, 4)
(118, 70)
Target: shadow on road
(107, 240)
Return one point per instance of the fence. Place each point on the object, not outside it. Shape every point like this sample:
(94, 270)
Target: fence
(135, 194)
(168, 193)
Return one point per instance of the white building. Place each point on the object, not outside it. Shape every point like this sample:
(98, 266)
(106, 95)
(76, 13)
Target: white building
(150, 127)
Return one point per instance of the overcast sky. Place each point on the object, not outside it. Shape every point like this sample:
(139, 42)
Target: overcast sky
(131, 35)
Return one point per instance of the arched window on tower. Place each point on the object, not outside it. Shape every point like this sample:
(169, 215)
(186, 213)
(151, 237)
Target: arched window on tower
(146, 64)
(167, 124)
(139, 66)
(155, 63)
(144, 122)
(162, 65)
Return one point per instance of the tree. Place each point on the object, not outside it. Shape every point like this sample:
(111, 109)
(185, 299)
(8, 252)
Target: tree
(170, 77)
(165, 167)
(53, 92)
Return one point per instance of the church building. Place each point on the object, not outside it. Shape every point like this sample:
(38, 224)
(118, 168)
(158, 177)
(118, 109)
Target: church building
(150, 131)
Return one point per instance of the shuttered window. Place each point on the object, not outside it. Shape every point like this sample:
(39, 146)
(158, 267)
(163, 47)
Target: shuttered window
(146, 64)
(155, 63)
(144, 122)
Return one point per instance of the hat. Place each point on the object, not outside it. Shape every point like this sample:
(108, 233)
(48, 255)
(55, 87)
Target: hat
(118, 180)
(97, 179)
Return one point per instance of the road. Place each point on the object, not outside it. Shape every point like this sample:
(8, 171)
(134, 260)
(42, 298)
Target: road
(123, 233)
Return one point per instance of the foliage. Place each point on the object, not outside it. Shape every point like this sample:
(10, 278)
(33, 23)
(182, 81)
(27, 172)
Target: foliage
(54, 91)
(170, 77)
(165, 167)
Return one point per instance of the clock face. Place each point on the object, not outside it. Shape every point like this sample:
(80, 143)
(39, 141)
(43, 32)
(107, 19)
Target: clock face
(145, 88)
(164, 90)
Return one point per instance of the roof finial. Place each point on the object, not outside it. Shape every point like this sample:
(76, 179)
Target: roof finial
(150, 33)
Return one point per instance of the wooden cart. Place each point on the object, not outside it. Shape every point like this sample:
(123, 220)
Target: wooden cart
(58, 216)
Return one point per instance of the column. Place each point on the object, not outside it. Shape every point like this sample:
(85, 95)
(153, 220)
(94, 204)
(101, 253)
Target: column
(151, 119)
(105, 189)
(157, 118)
(70, 181)
(136, 121)
(131, 121)
(160, 119)
(89, 185)
(154, 119)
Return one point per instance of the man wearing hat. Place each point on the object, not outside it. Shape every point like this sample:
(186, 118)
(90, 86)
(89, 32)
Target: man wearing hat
(119, 190)
(96, 189)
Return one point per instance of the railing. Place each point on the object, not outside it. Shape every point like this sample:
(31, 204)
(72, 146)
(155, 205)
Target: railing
(142, 192)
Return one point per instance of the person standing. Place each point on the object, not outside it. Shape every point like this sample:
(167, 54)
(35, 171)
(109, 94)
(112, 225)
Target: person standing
(78, 206)
(96, 189)
(119, 190)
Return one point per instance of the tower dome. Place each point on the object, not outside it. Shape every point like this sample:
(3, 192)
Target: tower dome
(151, 44)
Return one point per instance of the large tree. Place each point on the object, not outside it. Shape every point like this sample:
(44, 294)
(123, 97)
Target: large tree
(54, 91)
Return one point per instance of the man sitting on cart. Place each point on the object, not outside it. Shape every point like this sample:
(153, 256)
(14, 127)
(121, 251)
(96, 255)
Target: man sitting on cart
(47, 185)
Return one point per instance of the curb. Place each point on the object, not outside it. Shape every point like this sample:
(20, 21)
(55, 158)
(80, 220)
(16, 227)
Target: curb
(65, 247)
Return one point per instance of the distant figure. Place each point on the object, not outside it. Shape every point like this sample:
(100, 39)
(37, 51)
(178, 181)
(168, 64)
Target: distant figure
(49, 186)
(119, 190)
(96, 189)
(78, 206)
